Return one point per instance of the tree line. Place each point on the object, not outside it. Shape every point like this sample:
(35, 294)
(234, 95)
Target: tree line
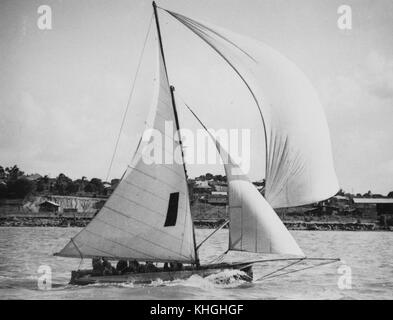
(15, 184)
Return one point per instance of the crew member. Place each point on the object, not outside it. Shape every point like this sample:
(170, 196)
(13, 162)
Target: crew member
(133, 266)
(121, 266)
(150, 267)
(108, 269)
(98, 268)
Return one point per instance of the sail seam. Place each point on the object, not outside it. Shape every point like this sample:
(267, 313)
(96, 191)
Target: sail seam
(153, 194)
(137, 236)
(144, 207)
(118, 243)
(200, 26)
(132, 218)
(163, 133)
(100, 250)
(154, 178)
(162, 165)
(139, 205)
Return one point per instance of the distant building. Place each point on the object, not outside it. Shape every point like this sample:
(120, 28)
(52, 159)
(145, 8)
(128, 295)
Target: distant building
(10, 206)
(99, 204)
(49, 206)
(342, 203)
(68, 204)
(372, 207)
(218, 198)
(33, 177)
(221, 188)
(339, 198)
(108, 188)
(115, 182)
(202, 187)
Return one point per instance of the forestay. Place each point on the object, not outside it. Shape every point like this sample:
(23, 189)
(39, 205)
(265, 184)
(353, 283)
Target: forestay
(299, 165)
(148, 216)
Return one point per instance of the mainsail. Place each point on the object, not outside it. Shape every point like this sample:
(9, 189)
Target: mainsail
(299, 164)
(148, 215)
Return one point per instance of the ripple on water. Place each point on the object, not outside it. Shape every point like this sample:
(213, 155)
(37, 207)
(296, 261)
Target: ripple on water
(369, 254)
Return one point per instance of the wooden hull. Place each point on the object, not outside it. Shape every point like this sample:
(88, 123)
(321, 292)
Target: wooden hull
(84, 277)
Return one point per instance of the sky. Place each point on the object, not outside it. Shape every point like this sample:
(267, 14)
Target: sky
(63, 91)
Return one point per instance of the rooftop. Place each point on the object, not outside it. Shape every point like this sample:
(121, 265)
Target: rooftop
(373, 200)
(33, 177)
(202, 184)
(219, 193)
(50, 202)
(338, 197)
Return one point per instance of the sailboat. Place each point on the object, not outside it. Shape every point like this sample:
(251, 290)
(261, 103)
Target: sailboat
(148, 216)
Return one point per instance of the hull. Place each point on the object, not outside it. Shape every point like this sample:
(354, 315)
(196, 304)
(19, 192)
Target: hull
(84, 277)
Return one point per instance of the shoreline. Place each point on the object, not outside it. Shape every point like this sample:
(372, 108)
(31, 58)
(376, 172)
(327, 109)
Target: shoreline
(72, 221)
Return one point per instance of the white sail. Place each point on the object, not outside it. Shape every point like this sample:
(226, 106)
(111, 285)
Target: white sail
(254, 225)
(148, 215)
(299, 164)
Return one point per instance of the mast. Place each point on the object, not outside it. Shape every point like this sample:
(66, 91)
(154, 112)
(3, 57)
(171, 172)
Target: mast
(172, 89)
(159, 36)
(185, 170)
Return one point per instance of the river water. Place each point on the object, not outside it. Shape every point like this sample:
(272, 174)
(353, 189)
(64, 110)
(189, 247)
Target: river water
(365, 273)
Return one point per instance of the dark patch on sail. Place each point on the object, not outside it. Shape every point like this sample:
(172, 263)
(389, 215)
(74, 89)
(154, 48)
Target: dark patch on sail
(171, 215)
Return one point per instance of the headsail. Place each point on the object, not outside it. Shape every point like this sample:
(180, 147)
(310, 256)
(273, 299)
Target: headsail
(299, 165)
(254, 226)
(148, 215)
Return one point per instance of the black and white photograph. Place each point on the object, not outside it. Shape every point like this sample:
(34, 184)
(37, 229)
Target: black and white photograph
(196, 150)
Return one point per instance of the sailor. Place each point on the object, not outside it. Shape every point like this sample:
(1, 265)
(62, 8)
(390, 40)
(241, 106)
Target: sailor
(98, 268)
(176, 266)
(179, 266)
(108, 269)
(150, 267)
(133, 266)
(121, 266)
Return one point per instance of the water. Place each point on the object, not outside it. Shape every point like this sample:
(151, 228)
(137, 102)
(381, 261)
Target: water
(368, 254)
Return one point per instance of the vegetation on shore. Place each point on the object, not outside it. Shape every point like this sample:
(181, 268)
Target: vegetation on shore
(15, 184)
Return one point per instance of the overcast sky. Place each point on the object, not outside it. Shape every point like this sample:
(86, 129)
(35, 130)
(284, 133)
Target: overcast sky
(63, 91)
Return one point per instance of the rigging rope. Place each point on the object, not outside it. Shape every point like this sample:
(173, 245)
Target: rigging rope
(280, 269)
(267, 277)
(219, 259)
(129, 98)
